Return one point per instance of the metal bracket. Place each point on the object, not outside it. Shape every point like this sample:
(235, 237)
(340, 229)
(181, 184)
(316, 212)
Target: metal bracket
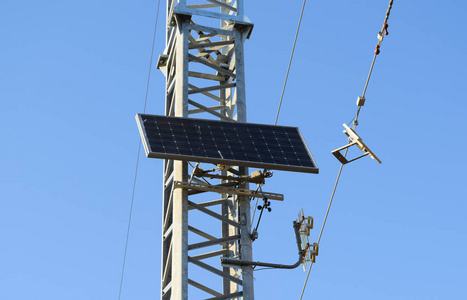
(255, 177)
(244, 26)
(162, 61)
(311, 253)
(301, 255)
(354, 139)
(178, 15)
(193, 188)
(305, 226)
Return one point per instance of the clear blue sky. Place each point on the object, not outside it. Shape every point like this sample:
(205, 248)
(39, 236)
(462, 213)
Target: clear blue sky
(73, 75)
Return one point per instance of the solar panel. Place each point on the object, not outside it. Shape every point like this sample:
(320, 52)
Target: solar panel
(230, 143)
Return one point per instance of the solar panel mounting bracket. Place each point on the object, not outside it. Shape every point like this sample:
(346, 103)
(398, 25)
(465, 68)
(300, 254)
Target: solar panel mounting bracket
(222, 189)
(255, 177)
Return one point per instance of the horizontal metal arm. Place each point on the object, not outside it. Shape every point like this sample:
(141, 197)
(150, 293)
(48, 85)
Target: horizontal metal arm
(301, 253)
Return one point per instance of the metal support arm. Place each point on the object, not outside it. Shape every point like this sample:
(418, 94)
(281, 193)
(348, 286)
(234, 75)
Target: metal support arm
(301, 254)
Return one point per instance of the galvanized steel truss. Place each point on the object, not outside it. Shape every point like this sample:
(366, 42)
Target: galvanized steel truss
(204, 68)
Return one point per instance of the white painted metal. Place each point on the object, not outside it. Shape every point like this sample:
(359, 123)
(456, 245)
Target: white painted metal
(204, 67)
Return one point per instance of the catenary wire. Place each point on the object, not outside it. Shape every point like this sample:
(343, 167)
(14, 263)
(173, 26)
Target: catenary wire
(355, 123)
(290, 62)
(138, 155)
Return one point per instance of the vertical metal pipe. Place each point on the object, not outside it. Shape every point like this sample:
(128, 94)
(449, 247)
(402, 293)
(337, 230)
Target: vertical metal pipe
(180, 201)
(240, 72)
(246, 252)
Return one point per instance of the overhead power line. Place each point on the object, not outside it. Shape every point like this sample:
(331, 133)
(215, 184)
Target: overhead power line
(137, 157)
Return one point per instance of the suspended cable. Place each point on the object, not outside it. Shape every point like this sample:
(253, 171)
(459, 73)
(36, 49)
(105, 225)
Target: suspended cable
(325, 219)
(137, 157)
(290, 62)
(355, 123)
(277, 116)
(381, 34)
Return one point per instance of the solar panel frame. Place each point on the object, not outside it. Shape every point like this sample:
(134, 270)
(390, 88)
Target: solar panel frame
(233, 143)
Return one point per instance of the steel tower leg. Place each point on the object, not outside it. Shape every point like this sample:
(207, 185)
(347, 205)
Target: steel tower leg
(204, 67)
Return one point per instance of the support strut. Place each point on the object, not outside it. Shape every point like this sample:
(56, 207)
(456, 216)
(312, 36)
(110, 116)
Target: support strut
(301, 255)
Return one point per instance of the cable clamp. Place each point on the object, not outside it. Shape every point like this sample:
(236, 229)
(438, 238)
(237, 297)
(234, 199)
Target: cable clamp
(380, 36)
(312, 252)
(254, 235)
(360, 101)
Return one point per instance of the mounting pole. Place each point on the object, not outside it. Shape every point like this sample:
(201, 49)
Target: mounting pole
(203, 63)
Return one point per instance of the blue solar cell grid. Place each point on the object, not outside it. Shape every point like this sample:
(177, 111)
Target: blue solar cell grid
(220, 142)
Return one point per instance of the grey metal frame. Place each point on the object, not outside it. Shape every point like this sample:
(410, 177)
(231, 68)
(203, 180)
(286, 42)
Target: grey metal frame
(204, 68)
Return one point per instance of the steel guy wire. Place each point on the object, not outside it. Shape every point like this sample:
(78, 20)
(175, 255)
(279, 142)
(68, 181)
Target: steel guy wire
(137, 157)
(290, 61)
(287, 73)
(355, 123)
(325, 219)
(377, 51)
